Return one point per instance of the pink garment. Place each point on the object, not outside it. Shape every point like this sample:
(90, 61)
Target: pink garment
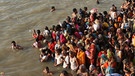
(100, 74)
(77, 26)
(54, 35)
(91, 18)
(62, 39)
(77, 35)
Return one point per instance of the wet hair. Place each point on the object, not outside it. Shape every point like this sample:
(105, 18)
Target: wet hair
(46, 28)
(38, 32)
(85, 8)
(47, 69)
(13, 42)
(105, 13)
(53, 7)
(74, 10)
(65, 73)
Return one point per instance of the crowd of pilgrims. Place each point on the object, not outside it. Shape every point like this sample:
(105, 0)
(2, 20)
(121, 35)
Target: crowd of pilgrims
(92, 43)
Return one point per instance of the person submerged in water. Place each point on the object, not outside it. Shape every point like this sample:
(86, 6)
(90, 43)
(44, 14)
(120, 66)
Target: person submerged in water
(46, 72)
(97, 1)
(16, 46)
(52, 9)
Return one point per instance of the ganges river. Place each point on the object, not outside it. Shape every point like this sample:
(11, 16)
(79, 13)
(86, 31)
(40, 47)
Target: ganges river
(19, 17)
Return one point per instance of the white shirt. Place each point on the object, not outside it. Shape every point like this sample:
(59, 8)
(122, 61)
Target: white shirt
(73, 63)
(66, 62)
(35, 44)
(57, 46)
(96, 27)
(46, 32)
(58, 59)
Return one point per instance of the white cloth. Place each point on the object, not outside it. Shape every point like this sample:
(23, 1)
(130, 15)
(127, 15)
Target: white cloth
(57, 46)
(58, 59)
(46, 32)
(96, 27)
(73, 64)
(117, 54)
(66, 62)
(113, 15)
(35, 44)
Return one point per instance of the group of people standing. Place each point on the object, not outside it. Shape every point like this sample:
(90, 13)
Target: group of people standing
(92, 43)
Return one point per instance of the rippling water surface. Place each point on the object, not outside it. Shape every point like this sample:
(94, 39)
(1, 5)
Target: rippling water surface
(18, 17)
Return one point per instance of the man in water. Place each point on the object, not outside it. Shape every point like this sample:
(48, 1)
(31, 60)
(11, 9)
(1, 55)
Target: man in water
(97, 1)
(52, 9)
(16, 46)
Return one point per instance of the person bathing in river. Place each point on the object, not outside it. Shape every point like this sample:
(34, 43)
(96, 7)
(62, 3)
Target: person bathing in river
(46, 72)
(15, 46)
(52, 9)
(97, 1)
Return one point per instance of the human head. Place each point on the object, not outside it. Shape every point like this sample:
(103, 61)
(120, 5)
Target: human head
(82, 68)
(38, 32)
(75, 10)
(85, 8)
(46, 69)
(53, 7)
(46, 28)
(64, 73)
(13, 42)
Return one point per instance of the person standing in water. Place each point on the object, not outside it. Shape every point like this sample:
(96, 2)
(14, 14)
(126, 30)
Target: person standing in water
(97, 1)
(52, 9)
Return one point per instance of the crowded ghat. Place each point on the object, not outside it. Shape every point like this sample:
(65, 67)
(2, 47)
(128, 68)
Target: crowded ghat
(89, 43)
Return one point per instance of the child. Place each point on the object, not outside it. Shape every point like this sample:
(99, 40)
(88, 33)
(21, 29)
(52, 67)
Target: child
(15, 46)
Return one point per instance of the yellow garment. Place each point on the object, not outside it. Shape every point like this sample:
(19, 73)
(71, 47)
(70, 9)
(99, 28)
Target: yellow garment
(81, 57)
(70, 47)
(116, 25)
(105, 25)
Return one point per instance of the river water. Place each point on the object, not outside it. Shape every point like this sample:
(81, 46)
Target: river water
(19, 17)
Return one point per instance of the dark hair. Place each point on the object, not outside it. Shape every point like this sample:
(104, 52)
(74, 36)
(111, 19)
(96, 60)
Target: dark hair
(65, 73)
(53, 7)
(47, 69)
(38, 31)
(13, 42)
(37, 39)
(46, 28)
(85, 8)
(74, 10)
(105, 13)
